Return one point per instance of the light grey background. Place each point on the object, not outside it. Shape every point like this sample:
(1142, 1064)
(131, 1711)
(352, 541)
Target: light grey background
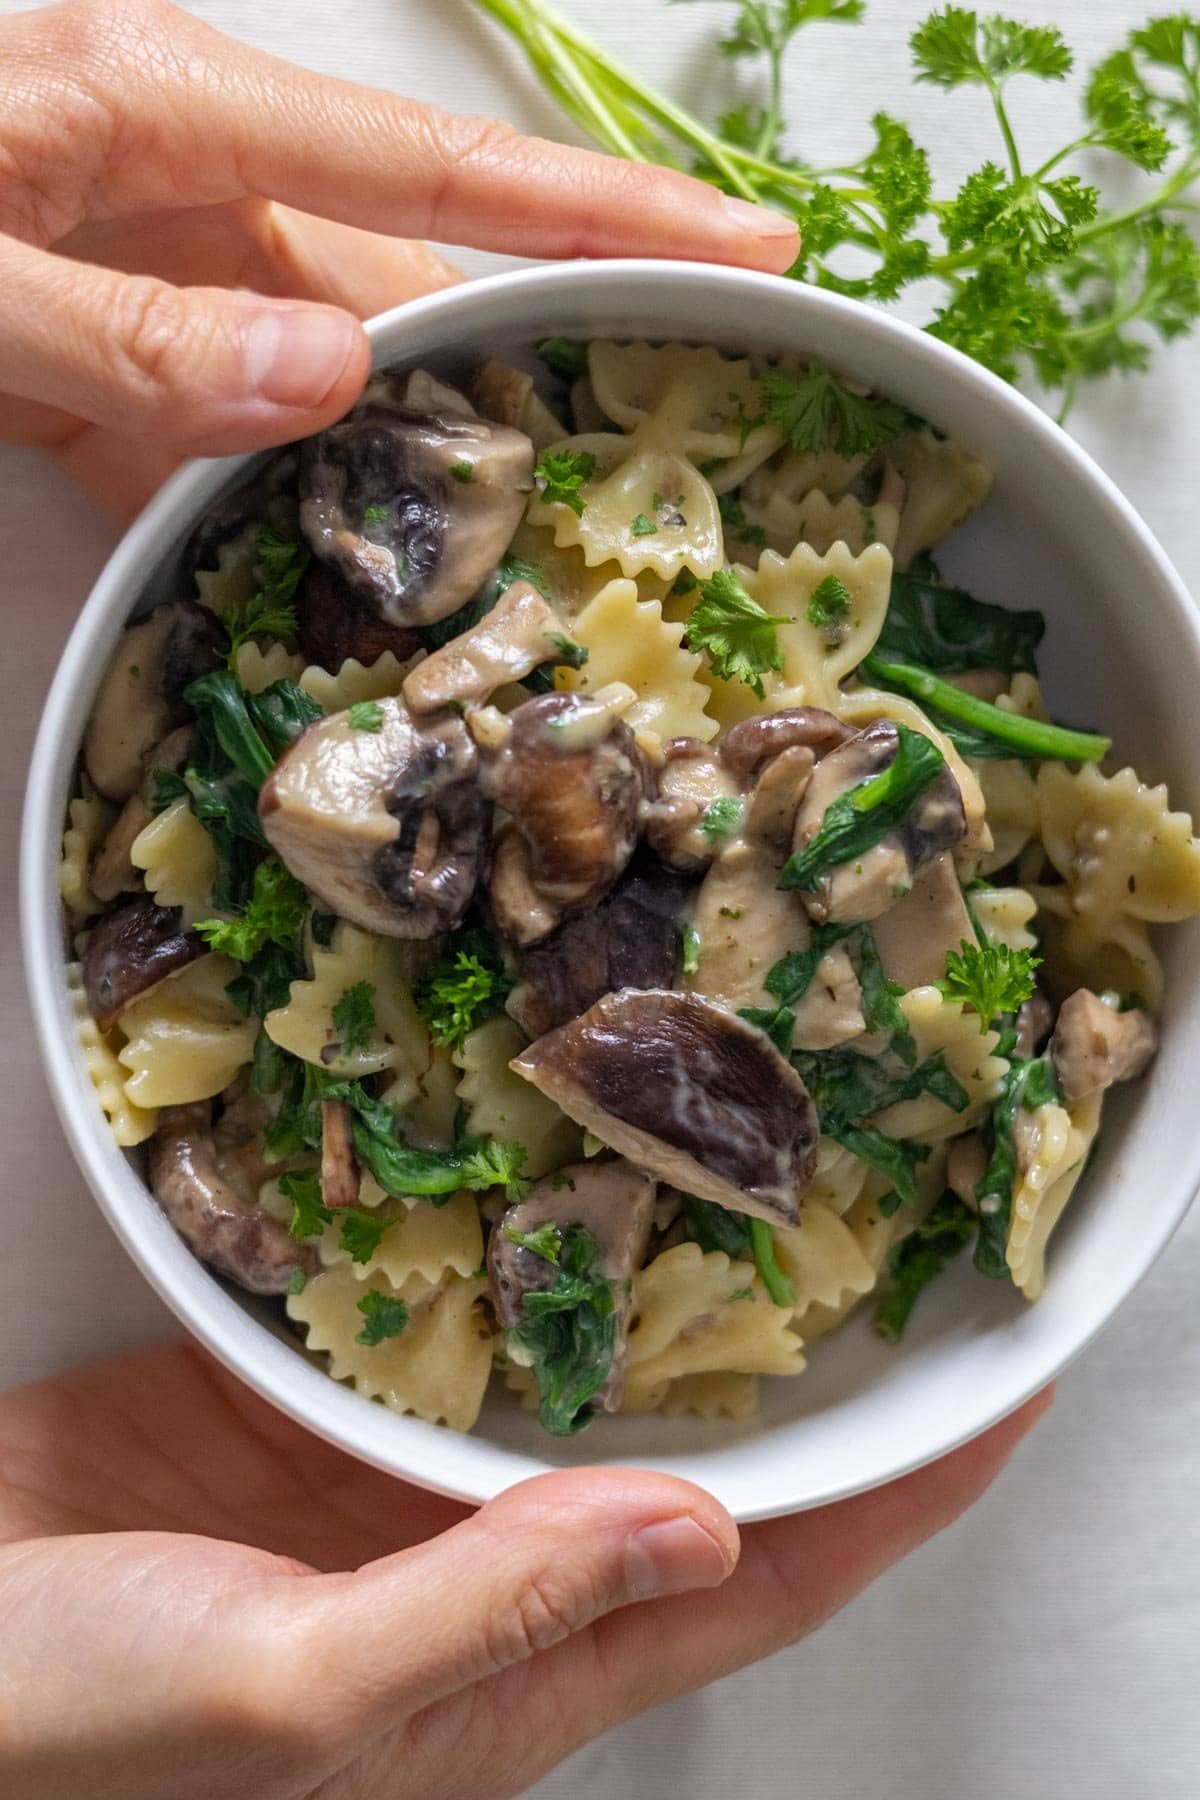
(1050, 1644)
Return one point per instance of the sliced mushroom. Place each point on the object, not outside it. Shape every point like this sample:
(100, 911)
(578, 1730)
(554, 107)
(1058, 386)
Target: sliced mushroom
(522, 915)
(242, 1242)
(614, 1203)
(572, 780)
(830, 1012)
(868, 884)
(1035, 1016)
(520, 632)
(340, 1177)
(781, 786)
(690, 778)
(966, 1161)
(1094, 1045)
(141, 696)
(131, 950)
(915, 935)
(630, 940)
(112, 872)
(335, 622)
(269, 499)
(387, 828)
(748, 745)
(684, 1088)
(413, 498)
(507, 396)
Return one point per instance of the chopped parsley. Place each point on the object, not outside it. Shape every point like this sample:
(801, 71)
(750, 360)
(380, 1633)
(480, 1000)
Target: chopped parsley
(463, 471)
(863, 816)
(561, 474)
(376, 515)
(816, 411)
(354, 1017)
(384, 1316)
(366, 715)
(720, 817)
(269, 612)
(464, 989)
(642, 526)
(994, 979)
(733, 514)
(275, 912)
(309, 1212)
(740, 639)
(545, 1242)
(689, 940)
(829, 604)
(297, 1281)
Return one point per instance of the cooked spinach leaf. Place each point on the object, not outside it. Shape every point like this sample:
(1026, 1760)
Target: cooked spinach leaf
(1027, 1085)
(569, 1331)
(863, 816)
(947, 631)
(917, 1259)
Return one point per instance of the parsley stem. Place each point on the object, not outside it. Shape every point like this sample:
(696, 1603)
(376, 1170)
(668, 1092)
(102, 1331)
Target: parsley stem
(1028, 737)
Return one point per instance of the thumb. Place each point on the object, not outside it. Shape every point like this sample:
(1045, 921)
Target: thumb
(204, 371)
(544, 1560)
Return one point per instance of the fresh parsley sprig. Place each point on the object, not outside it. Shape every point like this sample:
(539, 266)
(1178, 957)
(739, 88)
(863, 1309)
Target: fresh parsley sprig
(563, 474)
(740, 638)
(993, 979)
(569, 1333)
(1033, 268)
(270, 611)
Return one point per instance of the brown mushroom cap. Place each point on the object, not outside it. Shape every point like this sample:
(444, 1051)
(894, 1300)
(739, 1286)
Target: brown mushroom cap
(381, 503)
(244, 1243)
(870, 883)
(141, 696)
(614, 1203)
(630, 940)
(131, 950)
(335, 622)
(1094, 1045)
(747, 745)
(572, 780)
(387, 828)
(683, 1087)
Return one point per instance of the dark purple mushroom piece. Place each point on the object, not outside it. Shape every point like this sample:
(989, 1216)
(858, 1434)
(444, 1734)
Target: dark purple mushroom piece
(132, 949)
(614, 1203)
(268, 500)
(335, 622)
(1035, 1017)
(413, 498)
(141, 696)
(387, 828)
(243, 1242)
(683, 1087)
(630, 940)
(871, 882)
(1094, 1045)
(572, 780)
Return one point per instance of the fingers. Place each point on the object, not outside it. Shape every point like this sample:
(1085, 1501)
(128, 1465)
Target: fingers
(357, 154)
(537, 1565)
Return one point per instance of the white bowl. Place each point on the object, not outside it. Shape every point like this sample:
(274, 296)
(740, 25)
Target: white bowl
(1122, 652)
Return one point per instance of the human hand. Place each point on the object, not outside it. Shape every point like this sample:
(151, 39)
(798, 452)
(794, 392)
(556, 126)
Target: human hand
(201, 1600)
(150, 167)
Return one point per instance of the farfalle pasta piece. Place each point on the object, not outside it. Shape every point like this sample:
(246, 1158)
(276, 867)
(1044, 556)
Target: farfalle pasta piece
(258, 667)
(436, 1368)
(628, 640)
(177, 860)
(1056, 1147)
(1010, 797)
(714, 1395)
(421, 1240)
(812, 668)
(129, 1123)
(185, 1038)
(816, 520)
(801, 472)
(1005, 915)
(698, 1313)
(354, 681)
(232, 582)
(938, 1024)
(839, 1177)
(944, 483)
(88, 822)
(703, 399)
(501, 1105)
(1075, 954)
(306, 1027)
(874, 1235)
(822, 1257)
(428, 1105)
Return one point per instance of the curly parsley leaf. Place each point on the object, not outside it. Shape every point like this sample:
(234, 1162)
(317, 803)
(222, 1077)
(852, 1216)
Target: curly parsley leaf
(956, 47)
(492, 1163)
(384, 1316)
(721, 817)
(562, 474)
(465, 988)
(545, 1242)
(740, 639)
(994, 979)
(275, 913)
(816, 411)
(361, 1233)
(269, 612)
(354, 1017)
(309, 1212)
(366, 715)
(829, 604)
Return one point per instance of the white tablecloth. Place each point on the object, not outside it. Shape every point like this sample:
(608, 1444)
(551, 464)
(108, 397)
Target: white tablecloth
(1049, 1645)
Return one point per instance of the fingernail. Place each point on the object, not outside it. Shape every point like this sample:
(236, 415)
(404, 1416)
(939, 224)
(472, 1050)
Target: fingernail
(759, 219)
(672, 1556)
(295, 355)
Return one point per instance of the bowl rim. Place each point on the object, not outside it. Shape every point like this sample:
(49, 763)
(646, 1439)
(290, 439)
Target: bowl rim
(460, 1465)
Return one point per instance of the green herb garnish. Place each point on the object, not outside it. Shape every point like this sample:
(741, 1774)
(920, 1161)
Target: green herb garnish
(829, 604)
(740, 639)
(562, 474)
(569, 1332)
(270, 612)
(917, 1259)
(642, 526)
(384, 1316)
(721, 817)
(365, 715)
(275, 913)
(354, 1017)
(863, 816)
(993, 978)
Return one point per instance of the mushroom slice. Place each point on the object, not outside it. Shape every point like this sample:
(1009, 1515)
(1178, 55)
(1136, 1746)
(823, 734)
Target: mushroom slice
(334, 622)
(521, 631)
(748, 745)
(781, 786)
(141, 696)
(631, 940)
(508, 396)
(340, 1177)
(915, 936)
(1094, 1045)
(572, 779)
(413, 498)
(269, 499)
(387, 828)
(684, 1088)
(690, 779)
(870, 883)
(1035, 1016)
(131, 950)
(242, 1242)
(614, 1203)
